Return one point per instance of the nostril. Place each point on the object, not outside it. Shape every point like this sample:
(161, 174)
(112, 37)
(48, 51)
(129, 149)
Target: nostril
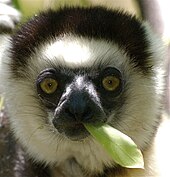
(88, 114)
(79, 114)
(69, 112)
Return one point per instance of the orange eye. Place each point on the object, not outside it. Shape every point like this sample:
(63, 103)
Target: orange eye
(110, 83)
(49, 85)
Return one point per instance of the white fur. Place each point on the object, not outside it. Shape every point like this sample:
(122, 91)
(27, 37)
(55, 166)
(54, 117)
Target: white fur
(32, 124)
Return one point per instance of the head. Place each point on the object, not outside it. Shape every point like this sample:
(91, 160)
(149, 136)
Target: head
(74, 66)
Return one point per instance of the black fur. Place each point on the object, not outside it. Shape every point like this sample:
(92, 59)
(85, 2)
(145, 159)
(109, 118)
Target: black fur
(96, 22)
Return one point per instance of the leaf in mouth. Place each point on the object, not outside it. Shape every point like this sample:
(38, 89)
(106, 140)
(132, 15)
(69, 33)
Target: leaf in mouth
(118, 145)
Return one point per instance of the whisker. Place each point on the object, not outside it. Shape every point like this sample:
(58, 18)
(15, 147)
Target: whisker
(32, 134)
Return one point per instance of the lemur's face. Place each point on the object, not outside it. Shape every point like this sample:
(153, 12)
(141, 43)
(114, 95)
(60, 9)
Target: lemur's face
(84, 86)
(80, 66)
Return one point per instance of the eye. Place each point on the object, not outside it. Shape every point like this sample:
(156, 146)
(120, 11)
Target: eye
(49, 85)
(110, 83)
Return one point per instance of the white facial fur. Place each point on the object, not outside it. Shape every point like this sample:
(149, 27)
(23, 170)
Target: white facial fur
(31, 122)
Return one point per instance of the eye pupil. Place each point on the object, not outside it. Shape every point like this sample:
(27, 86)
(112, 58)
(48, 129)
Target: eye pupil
(110, 82)
(49, 85)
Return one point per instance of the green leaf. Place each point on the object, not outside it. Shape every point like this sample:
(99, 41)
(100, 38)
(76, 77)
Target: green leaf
(118, 145)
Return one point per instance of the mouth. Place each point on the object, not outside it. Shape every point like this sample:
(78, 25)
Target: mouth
(74, 132)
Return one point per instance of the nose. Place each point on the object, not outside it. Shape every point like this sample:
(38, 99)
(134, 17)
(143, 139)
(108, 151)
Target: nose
(73, 111)
(79, 108)
(80, 112)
